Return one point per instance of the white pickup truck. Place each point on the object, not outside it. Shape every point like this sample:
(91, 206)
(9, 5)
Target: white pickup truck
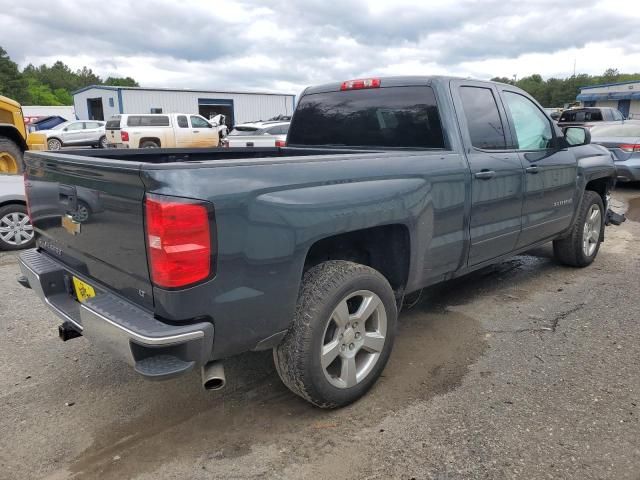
(171, 130)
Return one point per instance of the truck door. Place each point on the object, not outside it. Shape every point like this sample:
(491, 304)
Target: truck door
(183, 134)
(497, 174)
(551, 176)
(206, 135)
(73, 133)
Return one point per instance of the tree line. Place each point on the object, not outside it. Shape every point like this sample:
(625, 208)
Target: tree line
(558, 92)
(49, 85)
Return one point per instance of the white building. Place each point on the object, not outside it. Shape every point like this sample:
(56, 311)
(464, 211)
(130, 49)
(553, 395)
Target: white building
(625, 96)
(100, 102)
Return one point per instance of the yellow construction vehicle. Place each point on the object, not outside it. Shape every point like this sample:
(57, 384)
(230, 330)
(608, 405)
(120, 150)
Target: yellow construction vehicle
(14, 139)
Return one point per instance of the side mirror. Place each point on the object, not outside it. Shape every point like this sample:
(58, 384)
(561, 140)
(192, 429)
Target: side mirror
(576, 136)
(213, 124)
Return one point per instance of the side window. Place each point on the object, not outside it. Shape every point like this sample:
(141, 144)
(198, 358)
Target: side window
(617, 115)
(92, 125)
(75, 126)
(182, 121)
(532, 127)
(594, 115)
(483, 119)
(199, 122)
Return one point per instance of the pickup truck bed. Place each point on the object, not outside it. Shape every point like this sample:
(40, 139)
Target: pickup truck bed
(305, 249)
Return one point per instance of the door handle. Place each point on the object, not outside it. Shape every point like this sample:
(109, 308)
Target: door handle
(485, 174)
(532, 169)
(195, 131)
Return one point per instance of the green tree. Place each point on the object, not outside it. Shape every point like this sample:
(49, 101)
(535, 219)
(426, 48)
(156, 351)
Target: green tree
(12, 83)
(121, 82)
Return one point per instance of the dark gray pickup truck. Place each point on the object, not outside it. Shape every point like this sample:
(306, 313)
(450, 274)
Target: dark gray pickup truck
(177, 259)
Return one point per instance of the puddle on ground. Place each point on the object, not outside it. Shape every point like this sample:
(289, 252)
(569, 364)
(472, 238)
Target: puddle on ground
(432, 353)
(633, 213)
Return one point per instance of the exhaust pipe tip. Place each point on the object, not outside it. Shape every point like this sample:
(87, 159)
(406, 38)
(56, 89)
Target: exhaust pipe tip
(213, 377)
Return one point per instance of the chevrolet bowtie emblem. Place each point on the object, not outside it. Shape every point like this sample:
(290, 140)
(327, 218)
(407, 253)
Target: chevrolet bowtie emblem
(70, 225)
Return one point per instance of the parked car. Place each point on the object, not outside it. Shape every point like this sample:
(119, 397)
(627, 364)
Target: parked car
(588, 116)
(554, 113)
(181, 130)
(263, 134)
(75, 133)
(623, 140)
(46, 123)
(386, 186)
(16, 231)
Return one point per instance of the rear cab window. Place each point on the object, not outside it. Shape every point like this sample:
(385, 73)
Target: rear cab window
(113, 123)
(385, 117)
(485, 127)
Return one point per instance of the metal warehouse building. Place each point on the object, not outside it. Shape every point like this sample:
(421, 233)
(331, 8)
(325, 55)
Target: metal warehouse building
(625, 96)
(100, 102)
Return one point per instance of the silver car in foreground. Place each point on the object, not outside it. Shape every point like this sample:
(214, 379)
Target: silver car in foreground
(76, 133)
(623, 140)
(16, 231)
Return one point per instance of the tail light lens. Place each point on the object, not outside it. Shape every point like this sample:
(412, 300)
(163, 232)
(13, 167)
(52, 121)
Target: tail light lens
(281, 143)
(124, 135)
(179, 241)
(630, 147)
(360, 84)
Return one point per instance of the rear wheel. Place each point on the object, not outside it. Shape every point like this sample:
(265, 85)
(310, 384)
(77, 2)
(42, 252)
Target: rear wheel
(10, 156)
(580, 248)
(103, 142)
(149, 144)
(54, 144)
(16, 231)
(341, 336)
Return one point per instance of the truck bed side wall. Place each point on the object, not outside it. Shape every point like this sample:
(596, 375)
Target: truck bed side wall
(269, 216)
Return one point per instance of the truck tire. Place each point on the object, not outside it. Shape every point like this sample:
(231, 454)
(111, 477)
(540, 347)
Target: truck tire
(149, 144)
(580, 248)
(341, 336)
(16, 231)
(10, 156)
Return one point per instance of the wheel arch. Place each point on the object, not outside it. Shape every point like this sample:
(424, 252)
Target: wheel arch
(149, 139)
(12, 133)
(385, 248)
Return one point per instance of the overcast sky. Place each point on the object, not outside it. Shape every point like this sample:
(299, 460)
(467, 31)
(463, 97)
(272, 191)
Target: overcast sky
(283, 46)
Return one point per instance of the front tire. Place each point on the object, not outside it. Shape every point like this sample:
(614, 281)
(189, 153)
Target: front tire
(581, 247)
(341, 336)
(10, 156)
(16, 231)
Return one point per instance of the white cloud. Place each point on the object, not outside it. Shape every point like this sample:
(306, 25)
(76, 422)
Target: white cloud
(280, 45)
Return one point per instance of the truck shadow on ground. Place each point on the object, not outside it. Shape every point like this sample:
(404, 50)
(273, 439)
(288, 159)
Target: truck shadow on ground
(433, 351)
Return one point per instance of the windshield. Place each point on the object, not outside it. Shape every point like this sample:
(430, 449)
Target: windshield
(618, 130)
(375, 117)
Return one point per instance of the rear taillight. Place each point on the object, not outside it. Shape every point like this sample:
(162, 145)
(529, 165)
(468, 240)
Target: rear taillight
(124, 135)
(281, 143)
(179, 241)
(630, 147)
(360, 84)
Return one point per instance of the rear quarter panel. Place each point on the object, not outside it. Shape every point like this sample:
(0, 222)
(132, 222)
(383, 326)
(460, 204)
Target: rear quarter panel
(269, 214)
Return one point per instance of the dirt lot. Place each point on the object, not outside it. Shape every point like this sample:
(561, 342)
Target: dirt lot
(523, 370)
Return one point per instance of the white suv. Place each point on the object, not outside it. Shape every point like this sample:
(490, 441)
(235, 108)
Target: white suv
(169, 130)
(76, 133)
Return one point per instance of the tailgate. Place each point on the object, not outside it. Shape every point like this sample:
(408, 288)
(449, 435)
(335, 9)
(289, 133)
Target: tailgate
(88, 213)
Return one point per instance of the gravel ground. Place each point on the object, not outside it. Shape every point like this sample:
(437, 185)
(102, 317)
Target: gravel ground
(526, 369)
